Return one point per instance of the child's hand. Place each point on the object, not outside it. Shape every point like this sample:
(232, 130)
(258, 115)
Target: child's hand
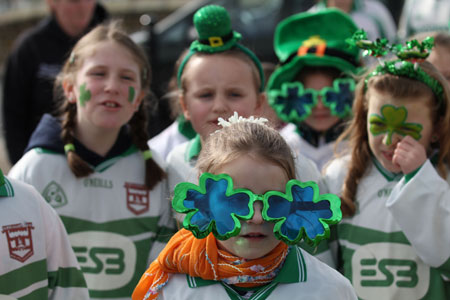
(409, 155)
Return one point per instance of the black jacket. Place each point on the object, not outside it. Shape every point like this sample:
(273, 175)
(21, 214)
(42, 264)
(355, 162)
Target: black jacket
(30, 72)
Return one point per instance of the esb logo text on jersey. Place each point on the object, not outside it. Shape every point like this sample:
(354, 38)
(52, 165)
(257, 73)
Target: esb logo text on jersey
(389, 271)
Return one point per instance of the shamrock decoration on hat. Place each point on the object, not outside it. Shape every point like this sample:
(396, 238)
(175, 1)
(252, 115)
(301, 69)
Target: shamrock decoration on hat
(312, 39)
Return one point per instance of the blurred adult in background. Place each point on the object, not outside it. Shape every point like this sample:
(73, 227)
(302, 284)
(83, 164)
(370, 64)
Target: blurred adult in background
(371, 15)
(423, 16)
(440, 56)
(34, 62)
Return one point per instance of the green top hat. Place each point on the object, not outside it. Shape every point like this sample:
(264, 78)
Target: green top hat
(215, 35)
(313, 39)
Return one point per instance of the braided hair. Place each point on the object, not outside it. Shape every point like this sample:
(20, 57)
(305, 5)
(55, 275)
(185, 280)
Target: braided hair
(68, 109)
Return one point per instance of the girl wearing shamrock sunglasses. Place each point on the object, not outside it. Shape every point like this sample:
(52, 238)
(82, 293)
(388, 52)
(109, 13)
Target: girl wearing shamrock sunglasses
(312, 87)
(243, 220)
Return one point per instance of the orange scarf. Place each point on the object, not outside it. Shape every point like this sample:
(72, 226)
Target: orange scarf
(201, 258)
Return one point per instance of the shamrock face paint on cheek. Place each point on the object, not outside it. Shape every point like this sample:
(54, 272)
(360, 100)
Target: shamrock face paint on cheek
(85, 95)
(131, 94)
(392, 120)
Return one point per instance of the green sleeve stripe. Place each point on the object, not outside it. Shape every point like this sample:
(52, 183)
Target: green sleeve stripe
(46, 151)
(6, 189)
(322, 247)
(409, 176)
(361, 236)
(66, 277)
(165, 234)
(126, 227)
(21, 278)
(108, 163)
(445, 269)
(41, 293)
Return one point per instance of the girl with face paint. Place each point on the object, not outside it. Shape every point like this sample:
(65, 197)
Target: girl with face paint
(93, 165)
(394, 183)
(239, 240)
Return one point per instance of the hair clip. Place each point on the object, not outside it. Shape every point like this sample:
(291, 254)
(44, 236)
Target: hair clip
(72, 58)
(69, 147)
(144, 74)
(147, 154)
(235, 118)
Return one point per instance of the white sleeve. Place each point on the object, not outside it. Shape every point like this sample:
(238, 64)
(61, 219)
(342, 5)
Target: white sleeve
(331, 182)
(306, 170)
(66, 280)
(23, 169)
(421, 207)
(333, 179)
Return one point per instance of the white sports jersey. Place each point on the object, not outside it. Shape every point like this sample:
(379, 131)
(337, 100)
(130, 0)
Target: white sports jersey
(319, 155)
(301, 277)
(116, 226)
(36, 260)
(166, 140)
(397, 244)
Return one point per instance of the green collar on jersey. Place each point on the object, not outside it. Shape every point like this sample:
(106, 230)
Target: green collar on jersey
(390, 176)
(293, 270)
(102, 166)
(6, 189)
(185, 127)
(193, 149)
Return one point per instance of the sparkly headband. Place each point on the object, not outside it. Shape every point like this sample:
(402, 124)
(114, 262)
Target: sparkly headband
(407, 63)
(235, 118)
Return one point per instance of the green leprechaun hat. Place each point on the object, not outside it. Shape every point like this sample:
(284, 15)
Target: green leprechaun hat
(215, 35)
(313, 39)
(213, 26)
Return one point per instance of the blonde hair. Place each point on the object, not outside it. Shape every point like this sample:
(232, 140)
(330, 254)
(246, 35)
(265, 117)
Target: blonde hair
(246, 138)
(233, 52)
(356, 132)
(138, 123)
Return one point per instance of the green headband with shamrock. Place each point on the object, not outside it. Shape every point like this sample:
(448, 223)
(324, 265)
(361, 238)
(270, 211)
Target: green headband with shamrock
(407, 63)
(215, 35)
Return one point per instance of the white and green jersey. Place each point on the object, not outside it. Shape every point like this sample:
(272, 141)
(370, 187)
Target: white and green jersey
(115, 225)
(181, 162)
(36, 260)
(397, 244)
(320, 155)
(301, 277)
